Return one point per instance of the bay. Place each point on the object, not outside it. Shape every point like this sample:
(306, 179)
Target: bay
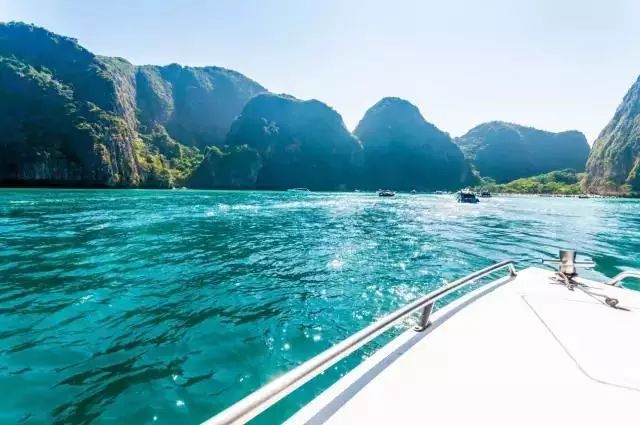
(143, 306)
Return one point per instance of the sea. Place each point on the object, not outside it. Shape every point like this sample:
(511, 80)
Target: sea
(165, 307)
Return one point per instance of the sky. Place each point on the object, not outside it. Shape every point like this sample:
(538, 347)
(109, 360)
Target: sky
(551, 64)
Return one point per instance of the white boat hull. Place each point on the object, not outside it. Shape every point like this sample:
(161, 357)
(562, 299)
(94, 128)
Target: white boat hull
(521, 350)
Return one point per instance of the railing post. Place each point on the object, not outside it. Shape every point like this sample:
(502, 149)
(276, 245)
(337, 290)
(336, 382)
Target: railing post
(424, 323)
(512, 270)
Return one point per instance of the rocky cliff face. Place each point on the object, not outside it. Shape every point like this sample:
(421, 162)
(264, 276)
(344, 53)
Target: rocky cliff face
(72, 118)
(61, 119)
(195, 105)
(505, 151)
(405, 152)
(299, 144)
(614, 163)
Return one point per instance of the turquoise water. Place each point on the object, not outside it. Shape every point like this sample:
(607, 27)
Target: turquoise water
(166, 306)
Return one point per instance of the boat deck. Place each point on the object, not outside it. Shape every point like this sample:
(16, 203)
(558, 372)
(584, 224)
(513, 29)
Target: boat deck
(519, 350)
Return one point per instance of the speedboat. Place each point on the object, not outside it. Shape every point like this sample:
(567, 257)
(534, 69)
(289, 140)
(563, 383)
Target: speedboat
(534, 346)
(386, 193)
(485, 194)
(467, 196)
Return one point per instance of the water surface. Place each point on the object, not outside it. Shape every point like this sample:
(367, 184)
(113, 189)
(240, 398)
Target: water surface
(131, 306)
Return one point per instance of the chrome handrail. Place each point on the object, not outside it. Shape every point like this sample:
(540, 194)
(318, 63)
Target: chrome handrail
(622, 276)
(258, 401)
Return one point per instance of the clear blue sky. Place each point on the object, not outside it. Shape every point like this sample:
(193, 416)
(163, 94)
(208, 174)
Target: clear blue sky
(552, 64)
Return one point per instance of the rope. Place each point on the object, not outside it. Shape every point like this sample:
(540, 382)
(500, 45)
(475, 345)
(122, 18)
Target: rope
(572, 284)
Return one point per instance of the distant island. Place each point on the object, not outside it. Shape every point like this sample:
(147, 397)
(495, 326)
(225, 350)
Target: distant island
(505, 151)
(562, 182)
(71, 118)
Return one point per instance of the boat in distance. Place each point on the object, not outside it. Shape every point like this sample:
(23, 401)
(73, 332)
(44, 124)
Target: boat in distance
(386, 193)
(467, 196)
(532, 346)
(298, 189)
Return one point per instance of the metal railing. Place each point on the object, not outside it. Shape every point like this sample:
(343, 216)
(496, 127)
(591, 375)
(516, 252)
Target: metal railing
(617, 279)
(255, 403)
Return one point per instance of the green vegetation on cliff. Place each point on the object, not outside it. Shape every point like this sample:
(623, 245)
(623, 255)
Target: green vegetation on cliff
(59, 114)
(614, 163)
(405, 152)
(163, 161)
(505, 151)
(560, 182)
(72, 118)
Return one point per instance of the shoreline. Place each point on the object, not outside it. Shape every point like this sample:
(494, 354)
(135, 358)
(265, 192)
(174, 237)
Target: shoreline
(361, 191)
